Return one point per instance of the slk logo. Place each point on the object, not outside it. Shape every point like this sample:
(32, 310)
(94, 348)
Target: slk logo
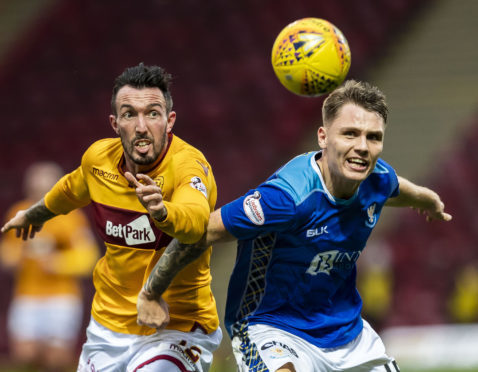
(317, 232)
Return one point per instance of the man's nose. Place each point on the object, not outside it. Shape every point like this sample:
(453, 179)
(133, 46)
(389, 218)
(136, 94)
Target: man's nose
(361, 144)
(141, 124)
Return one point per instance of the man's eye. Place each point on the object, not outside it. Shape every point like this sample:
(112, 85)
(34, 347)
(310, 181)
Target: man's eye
(349, 134)
(375, 137)
(127, 115)
(153, 114)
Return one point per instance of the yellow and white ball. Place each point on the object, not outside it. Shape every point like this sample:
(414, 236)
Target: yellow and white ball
(311, 57)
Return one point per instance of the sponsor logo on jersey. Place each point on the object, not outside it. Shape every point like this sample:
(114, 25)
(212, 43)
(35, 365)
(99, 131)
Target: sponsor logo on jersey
(136, 232)
(196, 183)
(104, 174)
(324, 262)
(317, 232)
(253, 209)
(277, 350)
(371, 216)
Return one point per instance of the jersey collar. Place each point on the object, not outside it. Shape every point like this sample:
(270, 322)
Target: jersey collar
(333, 199)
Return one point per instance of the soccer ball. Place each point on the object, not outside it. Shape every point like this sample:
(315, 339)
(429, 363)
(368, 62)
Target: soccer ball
(311, 57)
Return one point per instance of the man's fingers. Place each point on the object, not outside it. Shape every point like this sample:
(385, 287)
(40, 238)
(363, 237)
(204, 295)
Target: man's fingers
(34, 230)
(25, 232)
(148, 184)
(439, 216)
(147, 179)
(6, 227)
(153, 197)
(164, 325)
(132, 179)
(446, 216)
(152, 323)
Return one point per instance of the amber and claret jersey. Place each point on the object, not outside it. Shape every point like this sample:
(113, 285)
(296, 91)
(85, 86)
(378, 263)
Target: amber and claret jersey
(51, 264)
(134, 241)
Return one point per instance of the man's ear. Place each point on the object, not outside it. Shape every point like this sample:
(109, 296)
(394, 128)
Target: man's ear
(114, 124)
(322, 137)
(171, 121)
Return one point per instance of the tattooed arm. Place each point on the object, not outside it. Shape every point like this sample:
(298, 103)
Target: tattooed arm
(176, 256)
(29, 222)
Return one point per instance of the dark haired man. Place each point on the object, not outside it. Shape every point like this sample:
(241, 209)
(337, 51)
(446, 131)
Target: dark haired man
(146, 187)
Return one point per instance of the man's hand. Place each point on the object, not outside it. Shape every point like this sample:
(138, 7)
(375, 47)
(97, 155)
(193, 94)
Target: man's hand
(422, 199)
(24, 227)
(151, 312)
(435, 210)
(149, 194)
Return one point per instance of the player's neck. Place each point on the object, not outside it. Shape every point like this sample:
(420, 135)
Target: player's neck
(336, 184)
(132, 167)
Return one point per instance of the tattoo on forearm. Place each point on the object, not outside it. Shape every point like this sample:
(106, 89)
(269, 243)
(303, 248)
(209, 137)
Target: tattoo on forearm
(38, 213)
(176, 256)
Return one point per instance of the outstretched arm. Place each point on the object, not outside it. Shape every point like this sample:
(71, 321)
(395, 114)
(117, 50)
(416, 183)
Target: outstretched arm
(152, 310)
(423, 199)
(29, 222)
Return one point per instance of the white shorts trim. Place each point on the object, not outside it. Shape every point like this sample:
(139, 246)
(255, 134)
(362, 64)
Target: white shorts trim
(108, 351)
(53, 320)
(268, 348)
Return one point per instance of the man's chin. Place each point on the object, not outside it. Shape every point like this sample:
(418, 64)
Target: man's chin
(144, 160)
(356, 176)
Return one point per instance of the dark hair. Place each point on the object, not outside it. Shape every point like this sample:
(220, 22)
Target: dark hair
(360, 93)
(142, 76)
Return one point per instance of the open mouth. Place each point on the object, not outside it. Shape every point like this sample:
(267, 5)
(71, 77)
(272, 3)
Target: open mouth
(142, 145)
(357, 164)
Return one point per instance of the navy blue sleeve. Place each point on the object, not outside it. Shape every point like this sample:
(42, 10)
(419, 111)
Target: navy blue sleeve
(262, 210)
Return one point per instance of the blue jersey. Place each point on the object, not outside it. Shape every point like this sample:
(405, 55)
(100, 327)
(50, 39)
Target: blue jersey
(297, 249)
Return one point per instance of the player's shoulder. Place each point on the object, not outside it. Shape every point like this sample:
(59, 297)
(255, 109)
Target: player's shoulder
(104, 144)
(181, 148)
(382, 172)
(382, 180)
(181, 153)
(299, 177)
(105, 148)
(382, 167)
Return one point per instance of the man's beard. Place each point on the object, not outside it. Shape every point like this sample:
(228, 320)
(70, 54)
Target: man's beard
(143, 159)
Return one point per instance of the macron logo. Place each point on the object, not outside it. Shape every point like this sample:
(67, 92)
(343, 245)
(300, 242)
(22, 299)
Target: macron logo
(136, 232)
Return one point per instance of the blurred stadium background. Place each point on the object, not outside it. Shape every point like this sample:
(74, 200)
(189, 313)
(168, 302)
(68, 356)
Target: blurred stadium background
(419, 281)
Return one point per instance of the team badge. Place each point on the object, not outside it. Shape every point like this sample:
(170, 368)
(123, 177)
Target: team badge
(197, 184)
(159, 181)
(253, 208)
(372, 217)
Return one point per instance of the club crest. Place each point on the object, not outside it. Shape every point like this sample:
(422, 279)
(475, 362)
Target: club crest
(371, 216)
